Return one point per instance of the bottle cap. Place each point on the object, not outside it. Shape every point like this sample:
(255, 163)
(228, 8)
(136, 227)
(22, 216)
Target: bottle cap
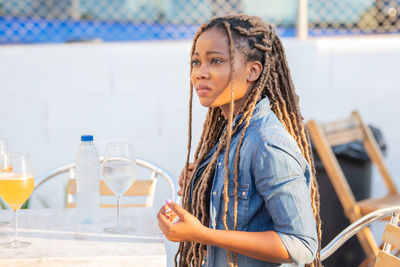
(87, 138)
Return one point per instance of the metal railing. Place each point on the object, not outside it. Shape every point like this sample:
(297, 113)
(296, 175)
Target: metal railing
(357, 226)
(157, 171)
(35, 21)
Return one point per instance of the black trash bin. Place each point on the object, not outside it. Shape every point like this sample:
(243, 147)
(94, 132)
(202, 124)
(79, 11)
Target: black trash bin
(356, 166)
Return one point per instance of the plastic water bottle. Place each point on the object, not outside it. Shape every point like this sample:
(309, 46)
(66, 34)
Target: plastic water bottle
(87, 169)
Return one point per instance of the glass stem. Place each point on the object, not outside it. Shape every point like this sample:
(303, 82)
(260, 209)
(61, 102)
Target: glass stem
(118, 208)
(15, 225)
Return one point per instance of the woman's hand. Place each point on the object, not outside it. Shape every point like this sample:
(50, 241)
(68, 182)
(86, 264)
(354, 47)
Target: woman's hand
(178, 225)
(190, 169)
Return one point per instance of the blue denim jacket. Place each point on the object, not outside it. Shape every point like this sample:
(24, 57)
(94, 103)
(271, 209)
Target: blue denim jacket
(273, 194)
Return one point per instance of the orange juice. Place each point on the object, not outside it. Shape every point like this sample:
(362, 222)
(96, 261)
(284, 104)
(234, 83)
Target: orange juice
(15, 189)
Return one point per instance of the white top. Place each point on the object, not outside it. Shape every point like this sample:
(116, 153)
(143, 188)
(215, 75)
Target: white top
(56, 240)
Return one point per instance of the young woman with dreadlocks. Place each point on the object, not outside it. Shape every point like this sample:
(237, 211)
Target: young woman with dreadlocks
(250, 197)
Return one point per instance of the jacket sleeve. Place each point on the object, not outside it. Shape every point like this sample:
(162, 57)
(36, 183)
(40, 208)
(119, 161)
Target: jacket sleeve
(282, 178)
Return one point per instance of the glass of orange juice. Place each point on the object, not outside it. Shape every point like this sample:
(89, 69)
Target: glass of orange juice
(15, 188)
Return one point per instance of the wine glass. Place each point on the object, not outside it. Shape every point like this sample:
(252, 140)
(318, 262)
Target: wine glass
(15, 188)
(5, 165)
(119, 172)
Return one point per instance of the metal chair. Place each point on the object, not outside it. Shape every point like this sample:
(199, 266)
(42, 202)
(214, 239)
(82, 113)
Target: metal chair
(145, 188)
(390, 237)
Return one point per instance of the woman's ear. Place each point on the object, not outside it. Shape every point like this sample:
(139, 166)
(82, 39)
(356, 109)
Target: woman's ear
(255, 69)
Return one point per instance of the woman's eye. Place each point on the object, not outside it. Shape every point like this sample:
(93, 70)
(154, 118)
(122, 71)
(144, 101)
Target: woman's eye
(195, 62)
(216, 60)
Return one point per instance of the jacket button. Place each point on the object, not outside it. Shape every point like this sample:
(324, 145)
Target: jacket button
(219, 164)
(214, 193)
(243, 194)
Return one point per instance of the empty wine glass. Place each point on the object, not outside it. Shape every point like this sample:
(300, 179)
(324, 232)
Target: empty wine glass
(15, 188)
(119, 173)
(5, 165)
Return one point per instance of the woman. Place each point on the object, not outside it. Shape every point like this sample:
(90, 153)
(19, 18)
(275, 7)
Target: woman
(249, 197)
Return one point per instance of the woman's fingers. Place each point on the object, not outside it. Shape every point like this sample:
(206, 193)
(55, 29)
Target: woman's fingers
(178, 210)
(191, 166)
(178, 224)
(171, 216)
(190, 169)
(162, 225)
(168, 213)
(180, 192)
(163, 221)
(180, 182)
(164, 217)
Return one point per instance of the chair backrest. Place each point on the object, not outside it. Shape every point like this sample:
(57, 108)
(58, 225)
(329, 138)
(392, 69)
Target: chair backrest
(145, 188)
(391, 238)
(326, 135)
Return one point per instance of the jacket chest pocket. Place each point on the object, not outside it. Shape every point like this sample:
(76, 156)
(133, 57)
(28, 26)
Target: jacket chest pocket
(242, 215)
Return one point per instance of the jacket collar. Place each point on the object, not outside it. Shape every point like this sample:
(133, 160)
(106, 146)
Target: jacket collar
(261, 109)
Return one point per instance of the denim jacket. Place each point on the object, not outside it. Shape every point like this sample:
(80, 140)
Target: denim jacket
(273, 193)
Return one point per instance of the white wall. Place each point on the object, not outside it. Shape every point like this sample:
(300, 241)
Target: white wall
(334, 76)
(50, 94)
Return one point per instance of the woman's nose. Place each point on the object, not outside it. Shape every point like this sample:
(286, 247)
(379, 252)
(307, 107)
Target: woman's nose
(203, 73)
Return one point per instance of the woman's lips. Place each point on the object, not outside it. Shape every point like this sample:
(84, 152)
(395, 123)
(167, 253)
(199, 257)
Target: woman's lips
(202, 90)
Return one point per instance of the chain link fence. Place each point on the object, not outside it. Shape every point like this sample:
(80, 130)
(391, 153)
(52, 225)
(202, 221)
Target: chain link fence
(38, 21)
(327, 17)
